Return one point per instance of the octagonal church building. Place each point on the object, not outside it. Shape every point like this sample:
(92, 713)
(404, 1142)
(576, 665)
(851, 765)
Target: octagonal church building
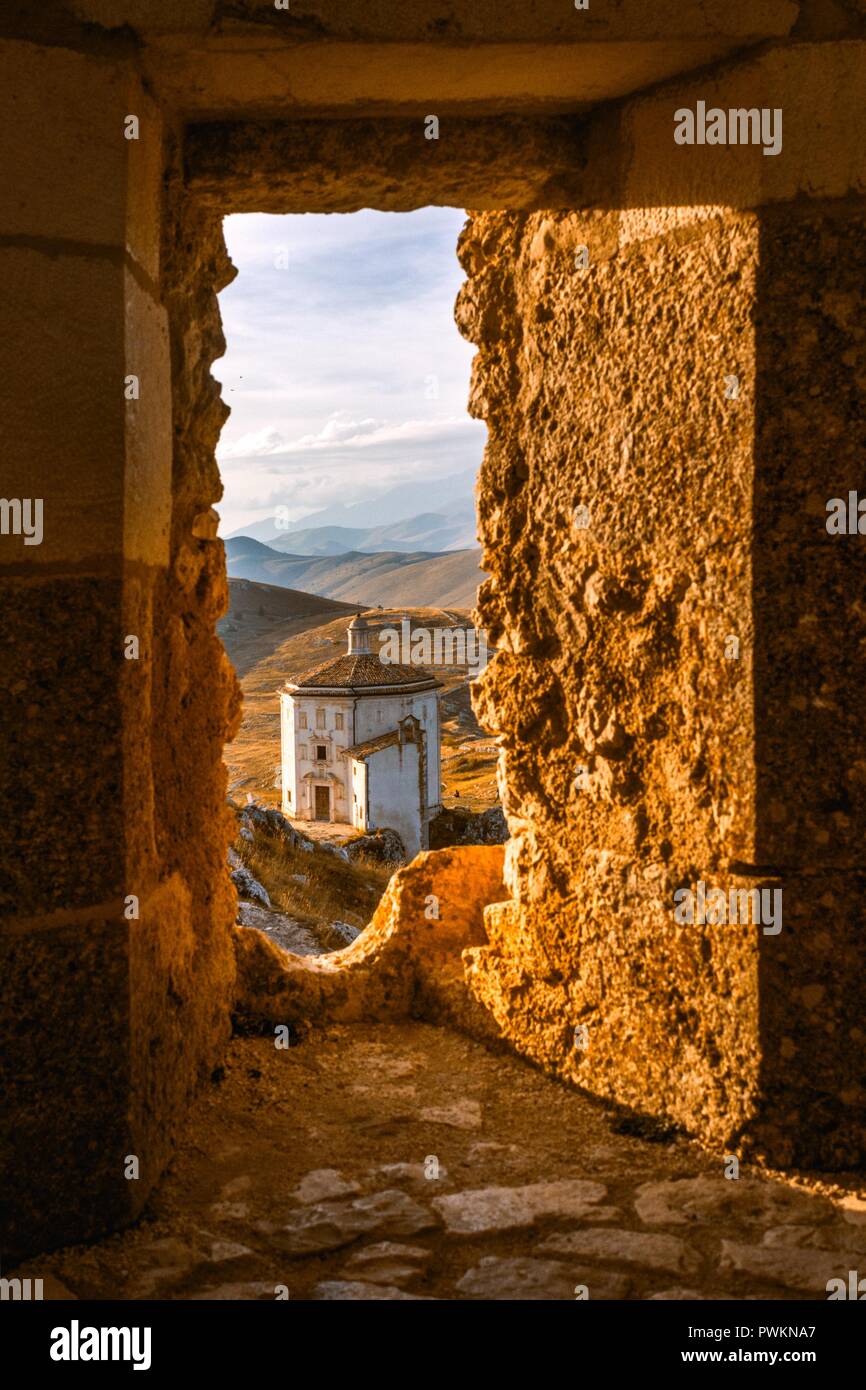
(360, 743)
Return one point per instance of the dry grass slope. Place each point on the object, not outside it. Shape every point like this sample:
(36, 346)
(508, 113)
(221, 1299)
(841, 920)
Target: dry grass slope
(316, 886)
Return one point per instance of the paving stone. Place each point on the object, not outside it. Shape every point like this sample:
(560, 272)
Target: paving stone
(229, 1211)
(496, 1278)
(387, 1262)
(603, 1283)
(389, 1250)
(463, 1114)
(231, 1205)
(413, 1174)
(487, 1209)
(682, 1201)
(794, 1268)
(174, 1260)
(638, 1249)
(220, 1251)
(390, 1272)
(330, 1225)
(529, 1278)
(853, 1210)
(675, 1295)
(839, 1237)
(600, 1216)
(225, 1292)
(323, 1184)
(378, 1090)
(355, 1290)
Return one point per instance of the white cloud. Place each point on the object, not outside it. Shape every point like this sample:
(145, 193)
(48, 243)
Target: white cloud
(255, 445)
(328, 361)
(339, 433)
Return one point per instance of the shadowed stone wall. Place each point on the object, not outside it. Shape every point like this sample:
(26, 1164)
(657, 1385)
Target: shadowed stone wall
(116, 966)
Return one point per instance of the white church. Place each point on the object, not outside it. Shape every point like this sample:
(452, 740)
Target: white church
(360, 743)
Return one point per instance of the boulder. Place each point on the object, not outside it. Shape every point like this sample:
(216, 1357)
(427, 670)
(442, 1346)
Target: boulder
(249, 887)
(459, 827)
(383, 845)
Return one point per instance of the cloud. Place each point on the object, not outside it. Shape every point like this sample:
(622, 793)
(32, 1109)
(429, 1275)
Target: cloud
(340, 432)
(330, 355)
(255, 445)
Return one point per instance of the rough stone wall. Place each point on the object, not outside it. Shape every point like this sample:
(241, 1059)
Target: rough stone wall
(604, 388)
(77, 247)
(196, 696)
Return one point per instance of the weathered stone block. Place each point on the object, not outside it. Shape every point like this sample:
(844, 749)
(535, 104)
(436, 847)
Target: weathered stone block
(817, 89)
(65, 1082)
(62, 429)
(62, 146)
(148, 421)
(61, 777)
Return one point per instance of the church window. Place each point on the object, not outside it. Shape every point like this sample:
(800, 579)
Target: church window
(320, 719)
(338, 721)
(302, 720)
(321, 753)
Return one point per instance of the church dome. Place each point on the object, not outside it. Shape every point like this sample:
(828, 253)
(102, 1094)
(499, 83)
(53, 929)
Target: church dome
(360, 671)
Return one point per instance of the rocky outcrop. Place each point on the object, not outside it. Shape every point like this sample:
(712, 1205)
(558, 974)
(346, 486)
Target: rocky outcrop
(383, 845)
(458, 827)
(254, 817)
(249, 887)
(287, 932)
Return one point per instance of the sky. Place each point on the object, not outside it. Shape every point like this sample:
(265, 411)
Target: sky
(344, 369)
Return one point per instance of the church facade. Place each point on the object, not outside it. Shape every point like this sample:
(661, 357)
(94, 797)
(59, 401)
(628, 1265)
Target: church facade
(360, 743)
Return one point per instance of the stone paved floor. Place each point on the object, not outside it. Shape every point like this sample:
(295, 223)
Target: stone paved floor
(307, 1168)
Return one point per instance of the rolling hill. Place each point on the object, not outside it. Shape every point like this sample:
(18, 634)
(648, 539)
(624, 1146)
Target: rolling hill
(389, 578)
(261, 616)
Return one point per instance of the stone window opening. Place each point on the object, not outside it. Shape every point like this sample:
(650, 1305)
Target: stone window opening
(610, 278)
(554, 272)
(565, 350)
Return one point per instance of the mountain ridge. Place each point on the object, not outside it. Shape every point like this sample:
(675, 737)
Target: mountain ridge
(386, 578)
(453, 494)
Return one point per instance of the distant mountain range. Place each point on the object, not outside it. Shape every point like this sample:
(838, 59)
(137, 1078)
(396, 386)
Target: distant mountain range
(432, 531)
(391, 578)
(397, 520)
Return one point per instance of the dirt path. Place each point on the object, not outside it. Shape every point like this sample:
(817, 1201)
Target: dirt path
(305, 1174)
